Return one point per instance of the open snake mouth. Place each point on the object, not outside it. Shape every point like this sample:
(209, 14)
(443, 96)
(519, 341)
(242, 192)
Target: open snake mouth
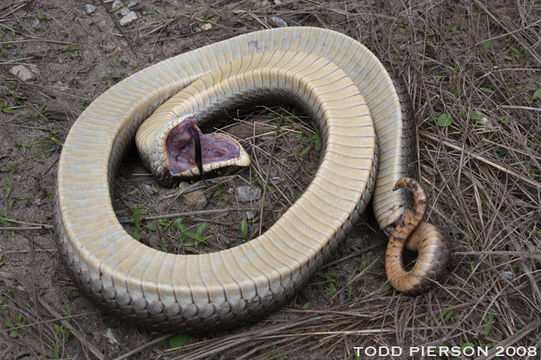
(191, 153)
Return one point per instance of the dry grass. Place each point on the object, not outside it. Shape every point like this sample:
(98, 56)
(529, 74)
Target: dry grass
(479, 62)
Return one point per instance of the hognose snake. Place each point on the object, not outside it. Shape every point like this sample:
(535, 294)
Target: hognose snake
(333, 78)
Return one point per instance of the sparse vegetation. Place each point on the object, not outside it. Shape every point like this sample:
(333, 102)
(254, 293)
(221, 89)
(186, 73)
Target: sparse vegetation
(472, 69)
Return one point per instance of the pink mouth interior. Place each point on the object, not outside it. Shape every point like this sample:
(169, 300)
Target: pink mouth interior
(180, 147)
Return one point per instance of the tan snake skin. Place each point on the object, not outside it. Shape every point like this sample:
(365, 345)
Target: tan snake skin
(334, 78)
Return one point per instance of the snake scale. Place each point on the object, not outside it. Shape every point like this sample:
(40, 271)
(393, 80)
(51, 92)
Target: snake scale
(339, 83)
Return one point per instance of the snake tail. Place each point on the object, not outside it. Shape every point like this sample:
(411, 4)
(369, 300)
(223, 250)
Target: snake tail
(413, 233)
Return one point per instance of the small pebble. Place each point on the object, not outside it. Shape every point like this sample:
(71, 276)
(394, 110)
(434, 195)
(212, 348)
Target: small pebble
(128, 19)
(250, 215)
(116, 4)
(194, 198)
(507, 275)
(277, 2)
(89, 8)
(109, 47)
(484, 121)
(276, 21)
(132, 4)
(22, 72)
(34, 69)
(185, 29)
(206, 27)
(148, 189)
(247, 193)
(82, 302)
(81, 34)
(35, 23)
(59, 85)
(124, 11)
(110, 336)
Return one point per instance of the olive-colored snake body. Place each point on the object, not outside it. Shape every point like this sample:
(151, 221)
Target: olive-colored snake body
(337, 81)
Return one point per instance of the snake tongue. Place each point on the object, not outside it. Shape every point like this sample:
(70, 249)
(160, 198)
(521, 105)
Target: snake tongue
(189, 151)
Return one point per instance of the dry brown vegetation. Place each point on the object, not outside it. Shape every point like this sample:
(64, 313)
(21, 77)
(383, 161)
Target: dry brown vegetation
(473, 66)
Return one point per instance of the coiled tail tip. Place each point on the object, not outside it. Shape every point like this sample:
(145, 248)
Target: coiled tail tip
(433, 254)
(414, 234)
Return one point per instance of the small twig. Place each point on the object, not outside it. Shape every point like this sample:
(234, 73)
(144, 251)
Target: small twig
(38, 321)
(9, 9)
(50, 166)
(532, 52)
(419, 99)
(159, 28)
(518, 107)
(93, 349)
(508, 253)
(256, 18)
(37, 40)
(15, 228)
(43, 226)
(478, 157)
(15, 61)
(236, 340)
(355, 278)
(93, 313)
(265, 183)
(184, 214)
(143, 347)
(506, 34)
(198, 186)
(511, 340)
(356, 253)
(344, 332)
(119, 27)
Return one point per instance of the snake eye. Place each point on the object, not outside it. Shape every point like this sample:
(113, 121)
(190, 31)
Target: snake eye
(216, 150)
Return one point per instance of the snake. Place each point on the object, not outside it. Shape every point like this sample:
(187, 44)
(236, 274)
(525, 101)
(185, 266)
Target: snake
(366, 124)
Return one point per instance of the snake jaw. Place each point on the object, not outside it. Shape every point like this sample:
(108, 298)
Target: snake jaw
(217, 150)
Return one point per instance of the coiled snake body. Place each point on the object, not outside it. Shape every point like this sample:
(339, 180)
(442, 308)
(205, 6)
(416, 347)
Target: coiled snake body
(338, 82)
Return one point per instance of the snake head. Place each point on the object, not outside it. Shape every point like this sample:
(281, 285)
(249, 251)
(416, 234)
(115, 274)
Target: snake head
(188, 150)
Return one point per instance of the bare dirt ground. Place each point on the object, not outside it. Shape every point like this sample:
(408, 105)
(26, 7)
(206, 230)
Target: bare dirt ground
(473, 71)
